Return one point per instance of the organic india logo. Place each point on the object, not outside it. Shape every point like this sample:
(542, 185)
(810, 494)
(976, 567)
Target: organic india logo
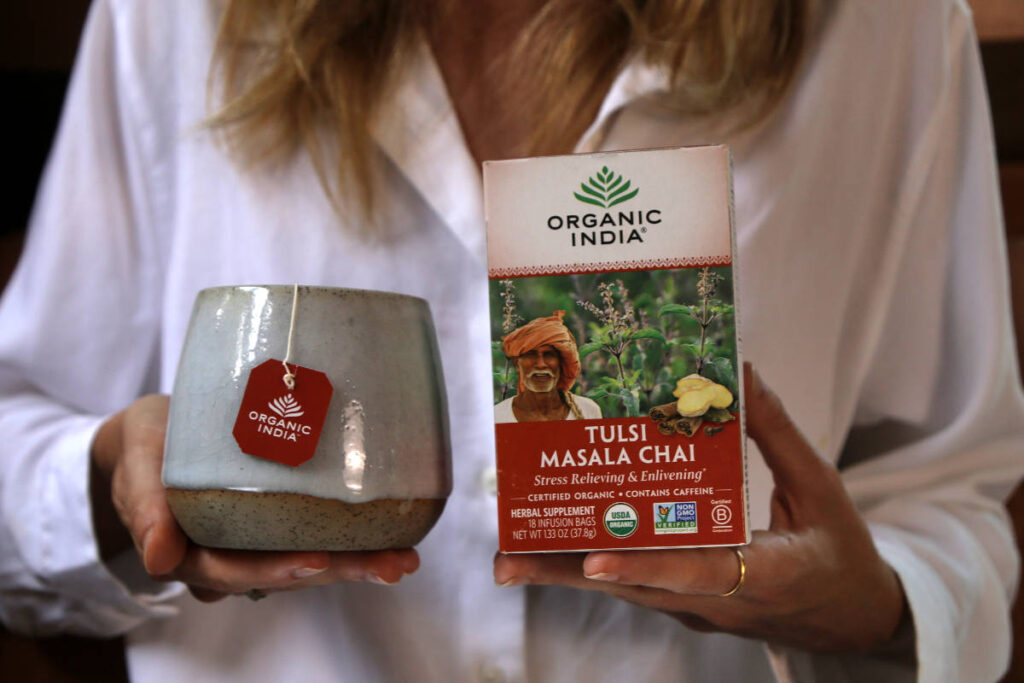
(606, 189)
(282, 427)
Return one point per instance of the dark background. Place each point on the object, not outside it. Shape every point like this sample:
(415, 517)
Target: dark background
(38, 39)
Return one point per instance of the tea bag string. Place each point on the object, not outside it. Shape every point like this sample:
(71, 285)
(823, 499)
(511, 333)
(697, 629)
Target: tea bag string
(289, 376)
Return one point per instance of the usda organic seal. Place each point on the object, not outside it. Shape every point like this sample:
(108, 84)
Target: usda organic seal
(621, 520)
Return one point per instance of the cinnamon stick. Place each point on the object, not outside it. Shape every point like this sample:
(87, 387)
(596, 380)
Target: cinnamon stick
(668, 427)
(688, 425)
(664, 412)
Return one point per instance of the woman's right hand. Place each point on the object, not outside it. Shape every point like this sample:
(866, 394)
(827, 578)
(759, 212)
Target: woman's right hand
(128, 495)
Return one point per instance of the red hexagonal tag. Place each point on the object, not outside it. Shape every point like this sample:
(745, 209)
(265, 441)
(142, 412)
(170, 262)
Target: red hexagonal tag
(281, 424)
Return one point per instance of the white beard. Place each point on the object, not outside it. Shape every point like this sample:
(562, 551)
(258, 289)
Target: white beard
(540, 383)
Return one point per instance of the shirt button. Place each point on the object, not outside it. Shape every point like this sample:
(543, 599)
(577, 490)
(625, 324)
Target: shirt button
(490, 673)
(489, 481)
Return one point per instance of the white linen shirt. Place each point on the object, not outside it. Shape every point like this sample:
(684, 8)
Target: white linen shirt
(873, 299)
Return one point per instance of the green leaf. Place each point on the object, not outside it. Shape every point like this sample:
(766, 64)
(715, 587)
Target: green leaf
(721, 371)
(588, 349)
(692, 348)
(648, 333)
(620, 190)
(609, 383)
(592, 192)
(604, 169)
(624, 198)
(496, 346)
(673, 309)
(631, 399)
(588, 200)
(612, 184)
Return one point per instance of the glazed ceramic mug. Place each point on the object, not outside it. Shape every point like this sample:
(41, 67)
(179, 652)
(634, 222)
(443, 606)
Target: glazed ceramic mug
(308, 418)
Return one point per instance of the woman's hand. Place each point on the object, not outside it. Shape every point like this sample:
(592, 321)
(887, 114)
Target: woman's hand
(127, 490)
(814, 580)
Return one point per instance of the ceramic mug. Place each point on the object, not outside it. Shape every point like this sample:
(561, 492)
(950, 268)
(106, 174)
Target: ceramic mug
(380, 471)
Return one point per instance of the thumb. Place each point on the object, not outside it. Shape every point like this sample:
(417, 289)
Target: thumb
(796, 467)
(139, 492)
(163, 545)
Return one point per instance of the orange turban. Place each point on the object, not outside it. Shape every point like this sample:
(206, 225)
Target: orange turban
(540, 332)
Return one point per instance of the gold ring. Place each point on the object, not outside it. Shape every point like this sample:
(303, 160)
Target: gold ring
(743, 574)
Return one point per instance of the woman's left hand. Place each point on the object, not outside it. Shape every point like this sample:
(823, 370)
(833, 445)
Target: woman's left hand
(814, 579)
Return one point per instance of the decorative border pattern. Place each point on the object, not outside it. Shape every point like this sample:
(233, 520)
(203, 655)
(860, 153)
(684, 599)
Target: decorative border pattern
(608, 266)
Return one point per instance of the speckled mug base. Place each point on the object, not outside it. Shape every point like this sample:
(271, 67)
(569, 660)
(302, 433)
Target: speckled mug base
(244, 520)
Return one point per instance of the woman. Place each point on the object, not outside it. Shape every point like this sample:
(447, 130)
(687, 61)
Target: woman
(868, 231)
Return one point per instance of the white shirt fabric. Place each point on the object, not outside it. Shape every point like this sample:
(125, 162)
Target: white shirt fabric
(872, 294)
(588, 409)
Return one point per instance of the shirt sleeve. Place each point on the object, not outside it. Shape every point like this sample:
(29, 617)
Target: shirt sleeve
(935, 453)
(78, 341)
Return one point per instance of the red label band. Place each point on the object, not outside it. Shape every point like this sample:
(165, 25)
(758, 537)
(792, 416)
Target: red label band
(618, 483)
(281, 424)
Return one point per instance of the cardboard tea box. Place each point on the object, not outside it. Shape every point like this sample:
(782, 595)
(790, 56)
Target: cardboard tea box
(617, 365)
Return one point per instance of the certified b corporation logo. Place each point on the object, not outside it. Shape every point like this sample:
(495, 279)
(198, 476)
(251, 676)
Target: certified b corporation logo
(621, 520)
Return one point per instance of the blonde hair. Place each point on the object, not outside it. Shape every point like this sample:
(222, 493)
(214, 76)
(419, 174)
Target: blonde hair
(293, 74)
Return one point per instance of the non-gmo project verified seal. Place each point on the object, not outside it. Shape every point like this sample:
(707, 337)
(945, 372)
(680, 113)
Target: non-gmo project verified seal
(675, 518)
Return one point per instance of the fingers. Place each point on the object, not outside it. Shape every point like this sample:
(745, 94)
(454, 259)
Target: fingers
(546, 569)
(703, 572)
(705, 610)
(212, 573)
(236, 571)
(696, 571)
(796, 467)
(206, 595)
(386, 567)
(138, 491)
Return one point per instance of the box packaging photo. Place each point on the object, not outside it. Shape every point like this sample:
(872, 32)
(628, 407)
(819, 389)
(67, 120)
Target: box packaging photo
(617, 364)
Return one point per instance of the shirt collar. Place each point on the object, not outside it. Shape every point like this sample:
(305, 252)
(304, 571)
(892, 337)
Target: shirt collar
(419, 131)
(635, 81)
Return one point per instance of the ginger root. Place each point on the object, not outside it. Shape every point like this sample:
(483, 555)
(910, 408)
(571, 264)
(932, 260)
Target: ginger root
(697, 394)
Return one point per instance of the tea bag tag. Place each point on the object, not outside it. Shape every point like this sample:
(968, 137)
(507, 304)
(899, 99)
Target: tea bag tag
(281, 424)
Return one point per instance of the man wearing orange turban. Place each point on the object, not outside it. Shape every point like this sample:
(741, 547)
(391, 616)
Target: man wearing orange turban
(548, 363)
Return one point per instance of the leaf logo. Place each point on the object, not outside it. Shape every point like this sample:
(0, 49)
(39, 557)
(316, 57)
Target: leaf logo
(286, 406)
(605, 189)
